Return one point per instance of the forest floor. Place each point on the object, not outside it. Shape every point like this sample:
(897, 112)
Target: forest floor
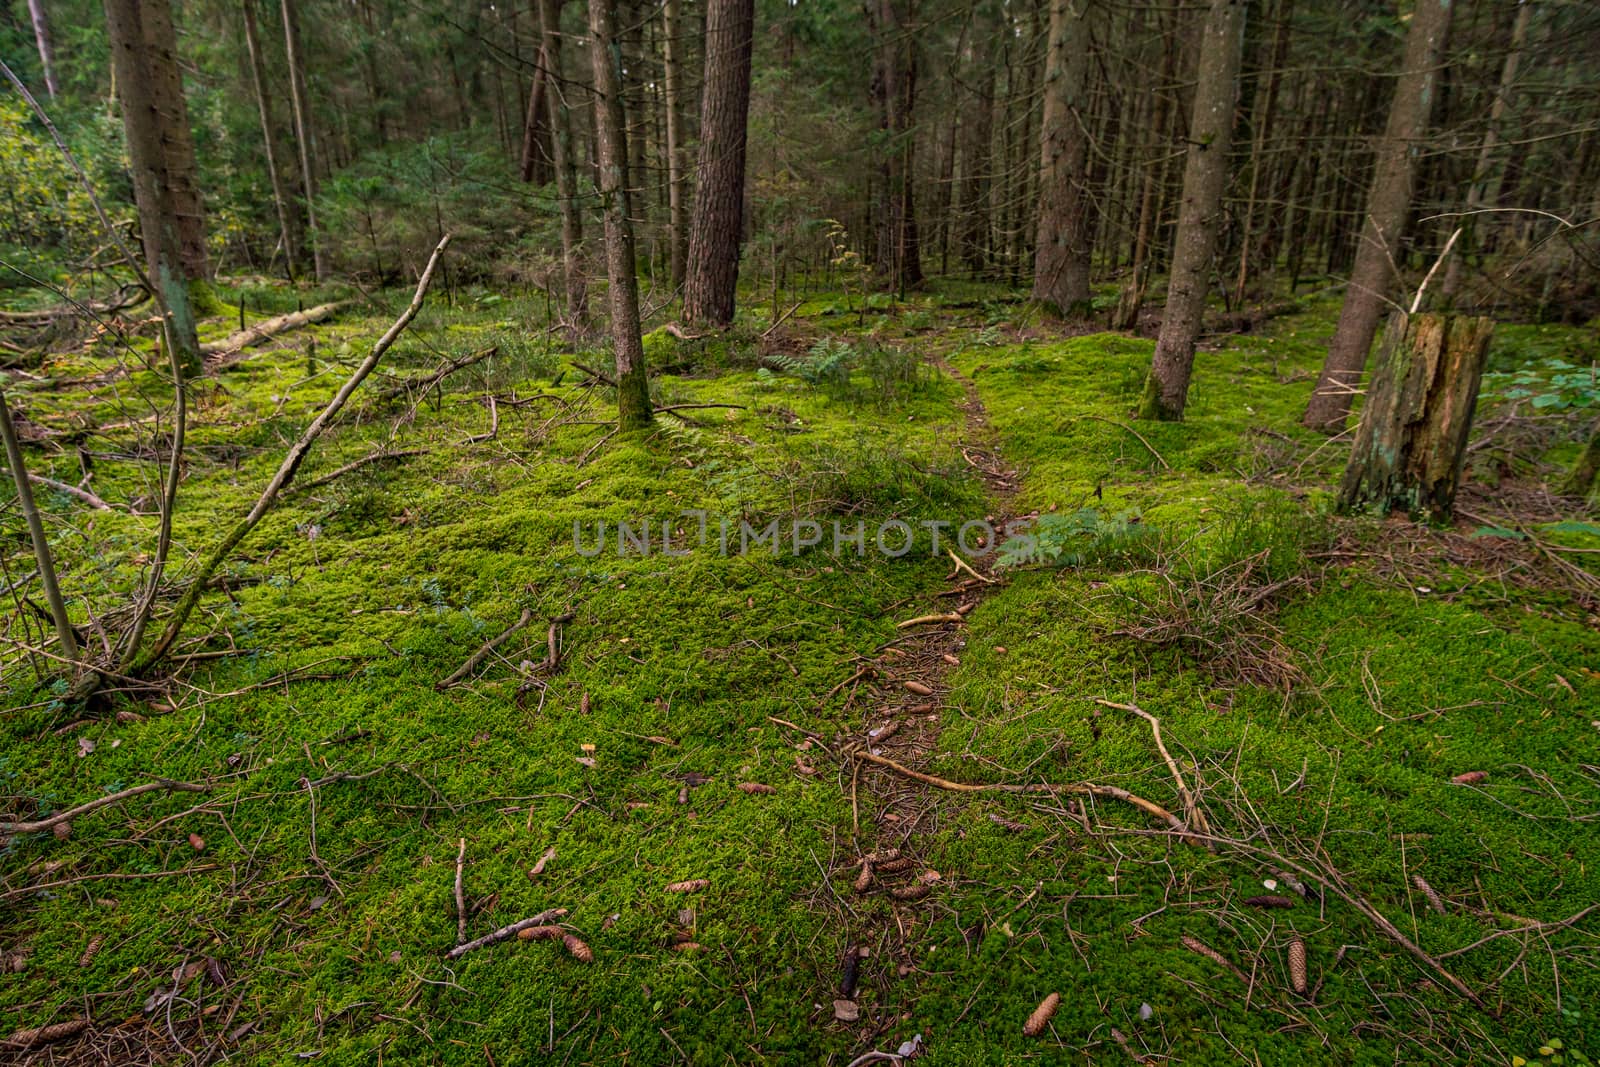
(1383, 739)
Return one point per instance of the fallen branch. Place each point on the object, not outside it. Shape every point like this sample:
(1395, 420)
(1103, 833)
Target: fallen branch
(505, 932)
(139, 663)
(376, 457)
(599, 376)
(961, 565)
(1076, 788)
(94, 805)
(920, 619)
(1140, 437)
(1192, 814)
(421, 383)
(263, 331)
(461, 899)
(494, 427)
(483, 651)
(71, 490)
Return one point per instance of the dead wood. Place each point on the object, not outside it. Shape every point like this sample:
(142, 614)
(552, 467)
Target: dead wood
(270, 328)
(505, 932)
(483, 652)
(13, 828)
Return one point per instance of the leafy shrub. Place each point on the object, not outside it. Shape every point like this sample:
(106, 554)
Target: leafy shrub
(1083, 538)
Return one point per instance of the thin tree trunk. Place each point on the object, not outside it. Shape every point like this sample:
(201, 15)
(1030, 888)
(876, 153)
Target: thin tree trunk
(565, 161)
(1372, 277)
(303, 137)
(1061, 259)
(47, 52)
(977, 136)
(718, 221)
(611, 143)
(1258, 152)
(1482, 190)
(144, 129)
(898, 260)
(280, 202)
(534, 121)
(177, 144)
(677, 203)
(1205, 175)
(1131, 300)
(41, 542)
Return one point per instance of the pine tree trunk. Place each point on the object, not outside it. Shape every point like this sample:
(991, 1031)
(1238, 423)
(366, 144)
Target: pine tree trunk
(677, 202)
(303, 137)
(1372, 277)
(1131, 300)
(1264, 114)
(535, 134)
(717, 225)
(1205, 175)
(977, 134)
(898, 261)
(1412, 442)
(258, 80)
(611, 145)
(1480, 190)
(1580, 480)
(177, 141)
(565, 161)
(47, 52)
(1061, 258)
(144, 128)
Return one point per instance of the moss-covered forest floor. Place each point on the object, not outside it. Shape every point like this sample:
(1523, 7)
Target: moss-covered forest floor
(1321, 686)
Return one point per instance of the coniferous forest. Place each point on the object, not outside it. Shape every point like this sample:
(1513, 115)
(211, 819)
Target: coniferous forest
(706, 531)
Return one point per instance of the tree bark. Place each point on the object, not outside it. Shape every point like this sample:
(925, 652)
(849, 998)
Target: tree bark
(1412, 441)
(717, 224)
(677, 203)
(1061, 256)
(898, 261)
(564, 160)
(1372, 276)
(974, 223)
(1205, 175)
(177, 144)
(303, 137)
(47, 51)
(258, 81)
(611, 144)
(1581, 478)
(1481, 190)
(144, 128)
(535, 132)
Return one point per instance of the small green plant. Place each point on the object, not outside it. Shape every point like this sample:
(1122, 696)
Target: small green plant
(1548, 385)
(1085, 537)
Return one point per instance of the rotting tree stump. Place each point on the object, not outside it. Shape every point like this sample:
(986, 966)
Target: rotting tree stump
(1412, 441)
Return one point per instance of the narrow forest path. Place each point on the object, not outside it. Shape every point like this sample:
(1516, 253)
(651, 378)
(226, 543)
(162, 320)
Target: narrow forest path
(901, 697)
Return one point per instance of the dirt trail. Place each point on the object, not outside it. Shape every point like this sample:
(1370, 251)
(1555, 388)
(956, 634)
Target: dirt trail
(900, 696)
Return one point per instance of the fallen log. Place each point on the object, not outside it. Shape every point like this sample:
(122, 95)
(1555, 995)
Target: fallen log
(269, 328)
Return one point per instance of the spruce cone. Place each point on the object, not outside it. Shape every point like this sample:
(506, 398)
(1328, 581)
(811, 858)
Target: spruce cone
(1041, 1016)
(1297, 965)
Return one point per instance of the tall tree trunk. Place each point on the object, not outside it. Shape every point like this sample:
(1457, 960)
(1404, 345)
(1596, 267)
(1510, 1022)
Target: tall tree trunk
(144, 128)
(535, 125)
(1372, 275)
(1481, 190)
(718, 221)
(672, 78)
(977, 135)
(177, 145)
(258, 81)
(1205, 175)
(303, 137)
(1412, 442)
(1153, 195)
(47, 51)
(1061, 259)
(611, 144)
(566, 168)
(898, 260)
(1264, 113)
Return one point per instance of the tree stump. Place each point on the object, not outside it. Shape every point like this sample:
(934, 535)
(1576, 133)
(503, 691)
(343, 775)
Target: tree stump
(1412, 441)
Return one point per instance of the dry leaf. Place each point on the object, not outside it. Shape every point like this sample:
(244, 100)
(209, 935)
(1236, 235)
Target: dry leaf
(587, 761)
(85, 746)
(1041, 1016)
(846, 1011)
(538, 868)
